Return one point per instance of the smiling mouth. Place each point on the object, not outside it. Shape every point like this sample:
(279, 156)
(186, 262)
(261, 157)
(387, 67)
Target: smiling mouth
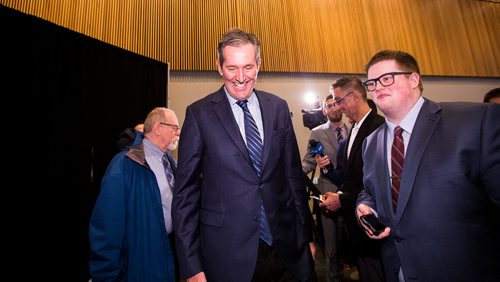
(240, 84)
(381, 96)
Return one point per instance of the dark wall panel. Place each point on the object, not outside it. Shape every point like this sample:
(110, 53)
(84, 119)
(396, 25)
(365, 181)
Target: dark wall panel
(72, 96)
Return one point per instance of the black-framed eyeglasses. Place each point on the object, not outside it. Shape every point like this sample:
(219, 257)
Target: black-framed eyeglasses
(387, 79)
(341, 100)
(174, 126)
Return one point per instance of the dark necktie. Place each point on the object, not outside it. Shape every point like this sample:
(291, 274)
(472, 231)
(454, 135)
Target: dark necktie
(397, 160)
(168, 171)
(167, 194)
(254, 146)
(339, 134)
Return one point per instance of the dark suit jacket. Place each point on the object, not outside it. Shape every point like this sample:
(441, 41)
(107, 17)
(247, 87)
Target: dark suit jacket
(336, 175)
(447, 223)
(353, 184)
(218, 194)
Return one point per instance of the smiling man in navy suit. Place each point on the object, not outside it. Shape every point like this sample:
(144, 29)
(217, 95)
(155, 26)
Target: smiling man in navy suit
(442, 209)
(221, 187)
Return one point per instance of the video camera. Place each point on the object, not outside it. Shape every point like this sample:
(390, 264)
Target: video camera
(313, 117)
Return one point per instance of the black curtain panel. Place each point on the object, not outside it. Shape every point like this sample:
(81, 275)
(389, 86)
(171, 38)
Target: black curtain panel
(71, 96)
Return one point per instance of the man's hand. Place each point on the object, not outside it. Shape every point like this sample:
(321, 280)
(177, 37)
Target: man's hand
(363, 209)
(331, 202)
(322, 162)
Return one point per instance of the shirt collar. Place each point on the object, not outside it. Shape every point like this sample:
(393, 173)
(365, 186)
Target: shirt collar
(357, 125)
(252, 99)
(152, 148)
(409, 120)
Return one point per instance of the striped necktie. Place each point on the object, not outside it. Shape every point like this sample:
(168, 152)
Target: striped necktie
(397, 161)
(339, 134)
(254, 145)
(168, 171)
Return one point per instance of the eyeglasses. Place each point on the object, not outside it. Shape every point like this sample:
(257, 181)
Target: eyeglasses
(175, 127)
(341, 100)
(387, 79)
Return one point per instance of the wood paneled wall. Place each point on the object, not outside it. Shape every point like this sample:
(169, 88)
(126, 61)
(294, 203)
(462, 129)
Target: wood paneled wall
(448, 37)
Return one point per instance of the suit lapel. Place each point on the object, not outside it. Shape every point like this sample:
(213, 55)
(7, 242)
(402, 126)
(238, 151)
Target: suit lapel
(330, 134)
(345, 160)
(268, 114)
(223, 111)
(360, 137)
(426, 122)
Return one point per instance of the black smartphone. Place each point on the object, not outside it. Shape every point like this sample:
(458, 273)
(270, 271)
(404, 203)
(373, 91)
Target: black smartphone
(373, 223)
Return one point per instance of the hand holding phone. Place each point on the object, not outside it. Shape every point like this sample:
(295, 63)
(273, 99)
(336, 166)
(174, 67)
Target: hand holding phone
(373, 223)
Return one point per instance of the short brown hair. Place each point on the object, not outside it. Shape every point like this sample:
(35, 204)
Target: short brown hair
(352, 82)
(493, 93)
(237, 37)
(404, 60)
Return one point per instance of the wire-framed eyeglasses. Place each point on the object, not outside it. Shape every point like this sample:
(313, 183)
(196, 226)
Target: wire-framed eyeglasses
(387, 79)
(341, 100)
(174, 126)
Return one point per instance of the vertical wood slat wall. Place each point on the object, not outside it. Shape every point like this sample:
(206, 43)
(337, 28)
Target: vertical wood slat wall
(448, 37)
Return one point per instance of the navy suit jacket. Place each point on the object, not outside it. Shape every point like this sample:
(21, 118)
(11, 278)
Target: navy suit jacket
(218, 194)
(447, 223)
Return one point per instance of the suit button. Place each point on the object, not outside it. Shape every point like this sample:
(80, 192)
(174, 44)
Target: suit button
(256, 218)
(260, 186)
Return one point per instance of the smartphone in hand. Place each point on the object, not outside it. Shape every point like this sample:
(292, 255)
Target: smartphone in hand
(373, 223)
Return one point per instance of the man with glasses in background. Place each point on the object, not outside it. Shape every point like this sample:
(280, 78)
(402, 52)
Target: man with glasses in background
(329, 136)
(431, 177)
(130, 232)
(350, 98)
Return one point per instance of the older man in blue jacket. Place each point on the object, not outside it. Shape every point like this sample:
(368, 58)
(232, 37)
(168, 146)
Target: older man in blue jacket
(131, 223)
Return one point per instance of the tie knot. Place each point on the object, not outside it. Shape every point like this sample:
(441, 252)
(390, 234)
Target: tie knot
(242, 104)
(398, 131)
(339, 133)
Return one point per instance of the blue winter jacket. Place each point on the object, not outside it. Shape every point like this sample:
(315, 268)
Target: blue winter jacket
(128, 238)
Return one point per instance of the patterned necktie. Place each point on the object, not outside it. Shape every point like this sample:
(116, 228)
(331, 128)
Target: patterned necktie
(168, 171)
(339, 134)
(254, 146)
(167, 194)
(397, 160)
